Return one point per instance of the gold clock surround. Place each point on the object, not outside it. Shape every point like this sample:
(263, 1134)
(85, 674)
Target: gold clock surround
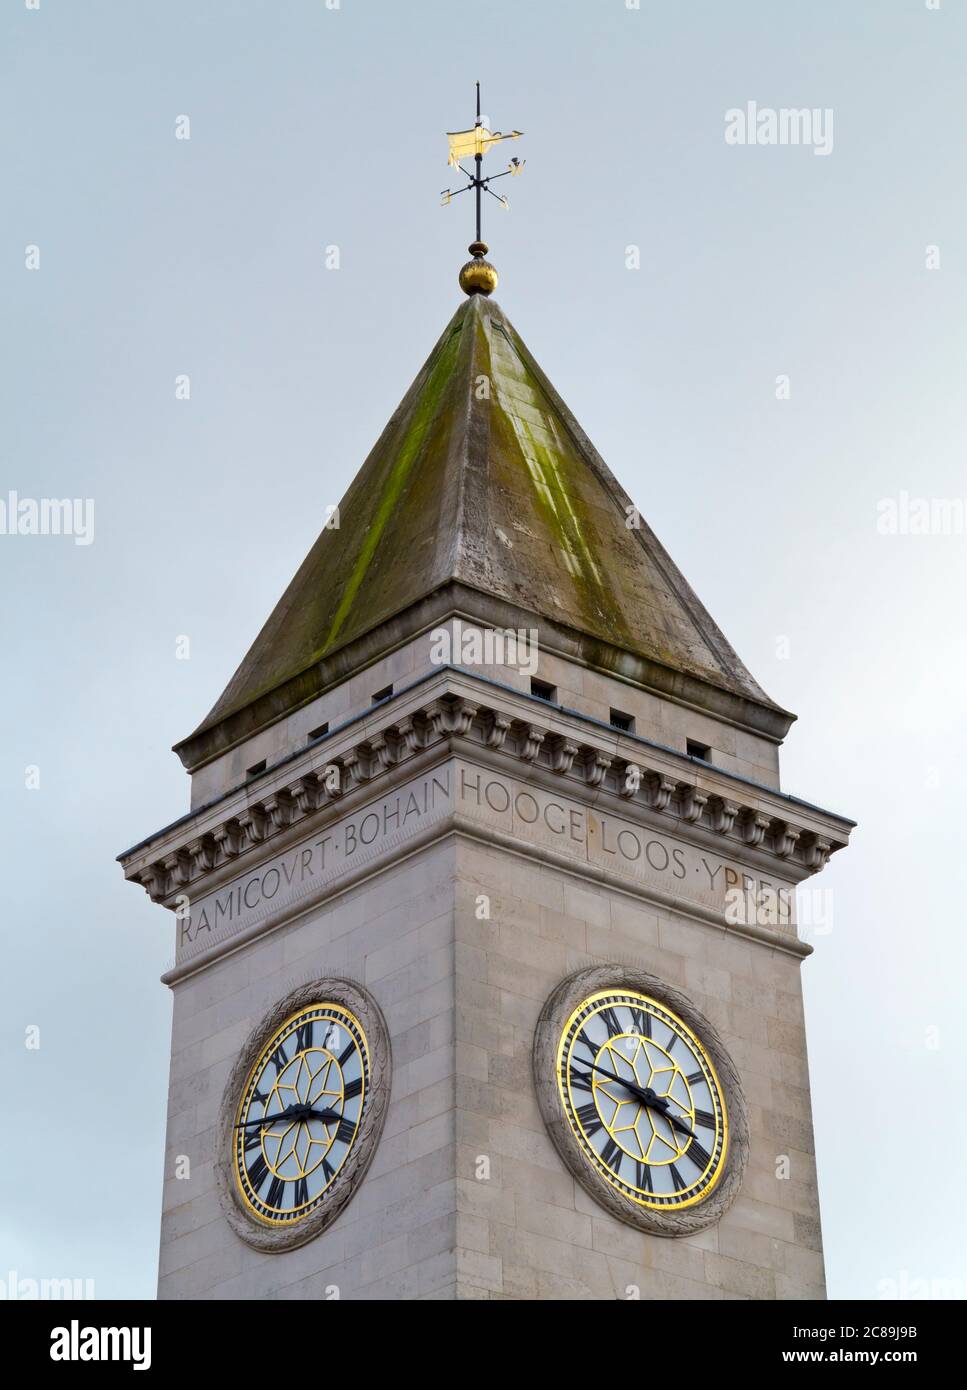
(348, 1001)
(728, 1155)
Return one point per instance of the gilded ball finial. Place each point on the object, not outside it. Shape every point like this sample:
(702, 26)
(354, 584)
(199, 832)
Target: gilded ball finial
(478, 276)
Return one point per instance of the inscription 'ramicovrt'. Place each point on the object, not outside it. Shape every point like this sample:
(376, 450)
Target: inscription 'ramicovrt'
(315, 862)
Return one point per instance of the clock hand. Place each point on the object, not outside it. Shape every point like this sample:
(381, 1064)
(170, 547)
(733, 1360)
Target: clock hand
(269, 1119)
(646, 1096)
(642, 1093)
(294, 1112)
(660, 1103)
(676, 1122)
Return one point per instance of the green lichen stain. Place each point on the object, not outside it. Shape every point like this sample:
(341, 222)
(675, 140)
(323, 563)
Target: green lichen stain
(559, 501)
(429, 404)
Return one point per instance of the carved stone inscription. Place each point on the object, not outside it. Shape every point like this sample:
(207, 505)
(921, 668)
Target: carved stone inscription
(527, 813)
(531, 815)
(315, 863)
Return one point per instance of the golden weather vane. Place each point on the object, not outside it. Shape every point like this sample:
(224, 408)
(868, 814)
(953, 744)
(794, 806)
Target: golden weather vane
(478, 276)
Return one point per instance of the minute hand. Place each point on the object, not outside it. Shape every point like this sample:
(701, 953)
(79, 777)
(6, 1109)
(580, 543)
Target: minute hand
(290, 1116)
(646, 1096)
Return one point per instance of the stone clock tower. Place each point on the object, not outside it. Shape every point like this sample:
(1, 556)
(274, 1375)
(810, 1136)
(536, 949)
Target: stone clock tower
(487, 972)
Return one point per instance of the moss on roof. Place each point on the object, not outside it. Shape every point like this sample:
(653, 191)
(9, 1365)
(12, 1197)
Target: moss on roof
(483, 476)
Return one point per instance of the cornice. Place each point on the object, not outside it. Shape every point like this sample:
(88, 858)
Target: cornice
(460, 712)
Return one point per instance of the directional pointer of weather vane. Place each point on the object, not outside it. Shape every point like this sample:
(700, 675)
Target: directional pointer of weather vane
(478, 276)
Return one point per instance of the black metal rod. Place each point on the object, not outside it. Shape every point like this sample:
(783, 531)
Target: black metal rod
(478, 160)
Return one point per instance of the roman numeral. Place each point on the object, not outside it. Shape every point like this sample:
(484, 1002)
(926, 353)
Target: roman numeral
(589, 1119)
(253, 1138)
(301, 1192)
(643, 1177)
(353, 1089)
(582, 1080)
(610, 1019)
(350, 1049)
(346, 1130)
(695, 1078)
(703, 1118)
(280, 1058)
(329, 1171)
(303, 1037)
(698, 1155)
(257, 1173)
(641, 1023)
(275, 1192)
(611, 1154)
(258, 1098)
(677, 1179)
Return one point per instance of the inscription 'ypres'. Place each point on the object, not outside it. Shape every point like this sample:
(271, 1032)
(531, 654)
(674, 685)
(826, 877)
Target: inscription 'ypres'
(314, 863)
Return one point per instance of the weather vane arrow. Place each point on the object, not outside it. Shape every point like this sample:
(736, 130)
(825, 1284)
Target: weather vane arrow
(478, 276)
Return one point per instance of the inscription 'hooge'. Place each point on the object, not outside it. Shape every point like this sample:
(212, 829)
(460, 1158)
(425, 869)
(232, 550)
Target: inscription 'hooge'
(532, 816)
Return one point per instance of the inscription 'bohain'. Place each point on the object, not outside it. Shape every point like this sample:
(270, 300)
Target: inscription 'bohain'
(315, 863)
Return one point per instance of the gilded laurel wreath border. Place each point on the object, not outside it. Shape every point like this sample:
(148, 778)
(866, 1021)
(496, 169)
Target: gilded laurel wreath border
(553, 1019)
(360, 1002)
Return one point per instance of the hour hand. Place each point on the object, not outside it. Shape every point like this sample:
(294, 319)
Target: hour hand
(677, 1124)
(660, 1103)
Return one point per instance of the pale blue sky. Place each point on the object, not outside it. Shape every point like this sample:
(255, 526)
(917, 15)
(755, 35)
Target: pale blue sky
(312, 127)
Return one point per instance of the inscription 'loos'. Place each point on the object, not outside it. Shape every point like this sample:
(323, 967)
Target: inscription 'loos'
(660, 861)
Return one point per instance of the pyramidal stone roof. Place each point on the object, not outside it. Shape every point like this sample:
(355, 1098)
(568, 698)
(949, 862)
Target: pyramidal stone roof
(483, 496)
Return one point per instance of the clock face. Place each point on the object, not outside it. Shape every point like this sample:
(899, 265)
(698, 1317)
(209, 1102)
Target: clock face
(642, 1100)
(300, 1113)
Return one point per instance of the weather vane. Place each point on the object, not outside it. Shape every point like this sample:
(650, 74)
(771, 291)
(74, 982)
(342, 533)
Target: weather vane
(478, 276)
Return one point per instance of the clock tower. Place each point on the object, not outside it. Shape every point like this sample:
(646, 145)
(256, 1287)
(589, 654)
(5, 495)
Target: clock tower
(487, 974)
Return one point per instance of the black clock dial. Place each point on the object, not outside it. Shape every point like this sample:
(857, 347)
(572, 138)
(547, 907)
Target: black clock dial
(642, 1099)
(300, 1113)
